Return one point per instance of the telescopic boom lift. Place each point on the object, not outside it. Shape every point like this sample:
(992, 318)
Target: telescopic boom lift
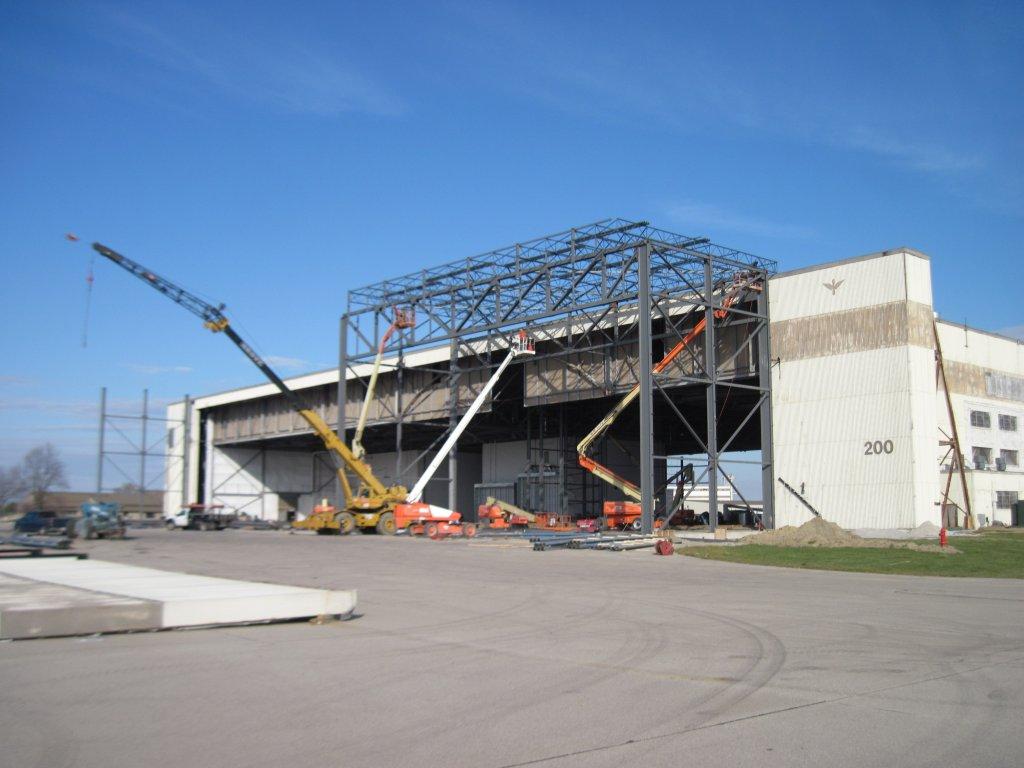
(373, 504)
(741, 283)
(438, 521)
(404, 318)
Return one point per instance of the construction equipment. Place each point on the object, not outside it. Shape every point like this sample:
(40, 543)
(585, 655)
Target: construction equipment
(501, 515)
(404, 318)
(731, 293)
(100, 520)
(372, 504)
(430, 519)
(618, 516)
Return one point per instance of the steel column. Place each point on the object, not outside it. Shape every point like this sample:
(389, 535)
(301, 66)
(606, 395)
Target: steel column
(103, 424)
(186, 441)
(342, 370)
(453, 420)
(711, 369)
(142, 454)
(764, 369)
(644, 365)
(342, 395)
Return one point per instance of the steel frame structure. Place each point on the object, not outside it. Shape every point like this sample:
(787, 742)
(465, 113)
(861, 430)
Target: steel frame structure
(577, 284)
(141, 448)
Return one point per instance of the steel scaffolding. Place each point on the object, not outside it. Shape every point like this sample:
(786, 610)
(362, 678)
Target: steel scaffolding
(580, 291)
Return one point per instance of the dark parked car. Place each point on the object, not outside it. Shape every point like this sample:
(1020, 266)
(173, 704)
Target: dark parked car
(44, 522)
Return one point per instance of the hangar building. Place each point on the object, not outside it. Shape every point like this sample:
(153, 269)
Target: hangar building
(827, 375)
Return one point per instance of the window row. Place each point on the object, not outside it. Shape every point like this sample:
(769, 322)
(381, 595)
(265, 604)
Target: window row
(1007, 423)
(982, 457)
(1005, 499)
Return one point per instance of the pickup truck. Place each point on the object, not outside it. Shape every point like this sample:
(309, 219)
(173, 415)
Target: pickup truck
(41, 521)
(199, 517)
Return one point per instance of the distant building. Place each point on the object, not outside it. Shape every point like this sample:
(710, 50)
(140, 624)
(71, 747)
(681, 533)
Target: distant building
(148, 505)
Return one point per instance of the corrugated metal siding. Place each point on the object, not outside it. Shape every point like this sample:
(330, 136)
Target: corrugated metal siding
(824, 412)
(581, 376)
(424, 396)
(858, 284)
(853, 330)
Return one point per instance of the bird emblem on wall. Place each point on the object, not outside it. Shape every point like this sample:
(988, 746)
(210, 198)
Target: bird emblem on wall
(834, 285)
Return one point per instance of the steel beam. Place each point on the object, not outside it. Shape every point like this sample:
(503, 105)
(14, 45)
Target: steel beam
(103, 424)
(644, 365)
(764, 369)
(711, 368)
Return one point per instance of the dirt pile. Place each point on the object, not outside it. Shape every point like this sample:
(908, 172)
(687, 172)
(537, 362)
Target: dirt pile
(925, 531)
(818, 532)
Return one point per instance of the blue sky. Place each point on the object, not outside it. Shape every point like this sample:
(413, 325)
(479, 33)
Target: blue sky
(273, 157)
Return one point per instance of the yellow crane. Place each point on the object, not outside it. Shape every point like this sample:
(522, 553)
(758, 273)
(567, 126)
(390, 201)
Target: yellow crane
(372, 504)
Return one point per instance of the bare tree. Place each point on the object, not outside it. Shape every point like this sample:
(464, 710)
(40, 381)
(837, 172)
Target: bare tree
(12, 486)
(43, 471)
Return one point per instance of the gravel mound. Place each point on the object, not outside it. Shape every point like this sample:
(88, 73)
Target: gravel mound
(818, 532)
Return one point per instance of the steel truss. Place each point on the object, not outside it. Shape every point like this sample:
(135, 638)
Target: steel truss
(579, 291)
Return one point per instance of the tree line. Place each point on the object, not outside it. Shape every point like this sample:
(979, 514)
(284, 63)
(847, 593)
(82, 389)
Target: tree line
(40, 471)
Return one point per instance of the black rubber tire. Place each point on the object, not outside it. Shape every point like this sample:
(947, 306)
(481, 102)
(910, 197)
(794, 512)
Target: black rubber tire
(636, 525)
(346, 523)
(386, 524)
(170, 526)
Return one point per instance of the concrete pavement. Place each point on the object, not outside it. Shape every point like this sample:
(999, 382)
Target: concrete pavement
(467, 656)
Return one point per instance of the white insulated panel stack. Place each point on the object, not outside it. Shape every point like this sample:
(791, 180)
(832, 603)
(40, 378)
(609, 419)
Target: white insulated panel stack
(853, 392)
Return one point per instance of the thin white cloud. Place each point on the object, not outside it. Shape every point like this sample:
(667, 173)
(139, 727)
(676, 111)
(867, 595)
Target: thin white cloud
(286, 76)
(14, 380)
(288, 363)
(919, 155)
(703, 218)
(551, 64)
(151, 370)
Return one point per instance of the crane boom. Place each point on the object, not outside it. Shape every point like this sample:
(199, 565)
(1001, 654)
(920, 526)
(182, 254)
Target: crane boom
(403, 319)
(214, 319)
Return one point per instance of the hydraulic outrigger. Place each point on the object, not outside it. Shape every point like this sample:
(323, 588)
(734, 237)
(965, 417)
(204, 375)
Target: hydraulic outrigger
(373, 501)
(731, 294)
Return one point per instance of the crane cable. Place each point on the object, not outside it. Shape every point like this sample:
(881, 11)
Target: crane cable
(89, 280)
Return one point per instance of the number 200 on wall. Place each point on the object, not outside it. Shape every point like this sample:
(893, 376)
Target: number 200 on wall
(877, 447)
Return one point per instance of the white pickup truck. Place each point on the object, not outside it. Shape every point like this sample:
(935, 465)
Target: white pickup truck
(199, 517)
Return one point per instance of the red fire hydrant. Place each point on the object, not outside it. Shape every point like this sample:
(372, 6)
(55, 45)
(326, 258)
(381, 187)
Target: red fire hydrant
(943, 539)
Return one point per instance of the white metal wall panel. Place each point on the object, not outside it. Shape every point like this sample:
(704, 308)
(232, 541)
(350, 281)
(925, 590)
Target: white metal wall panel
(918, 272)
(856, 284)
(830, 414)
(924, 434)
(982, 349)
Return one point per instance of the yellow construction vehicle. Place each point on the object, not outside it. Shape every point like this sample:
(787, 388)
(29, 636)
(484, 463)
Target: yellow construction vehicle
(372, 504)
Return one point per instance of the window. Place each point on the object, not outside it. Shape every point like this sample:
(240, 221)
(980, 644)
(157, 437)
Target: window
(1005, 499)
(1009, 457)
(981, 457)
(981, 419)
(1007, 423)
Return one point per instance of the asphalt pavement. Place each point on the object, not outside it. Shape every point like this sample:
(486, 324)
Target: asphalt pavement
(477, 656)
